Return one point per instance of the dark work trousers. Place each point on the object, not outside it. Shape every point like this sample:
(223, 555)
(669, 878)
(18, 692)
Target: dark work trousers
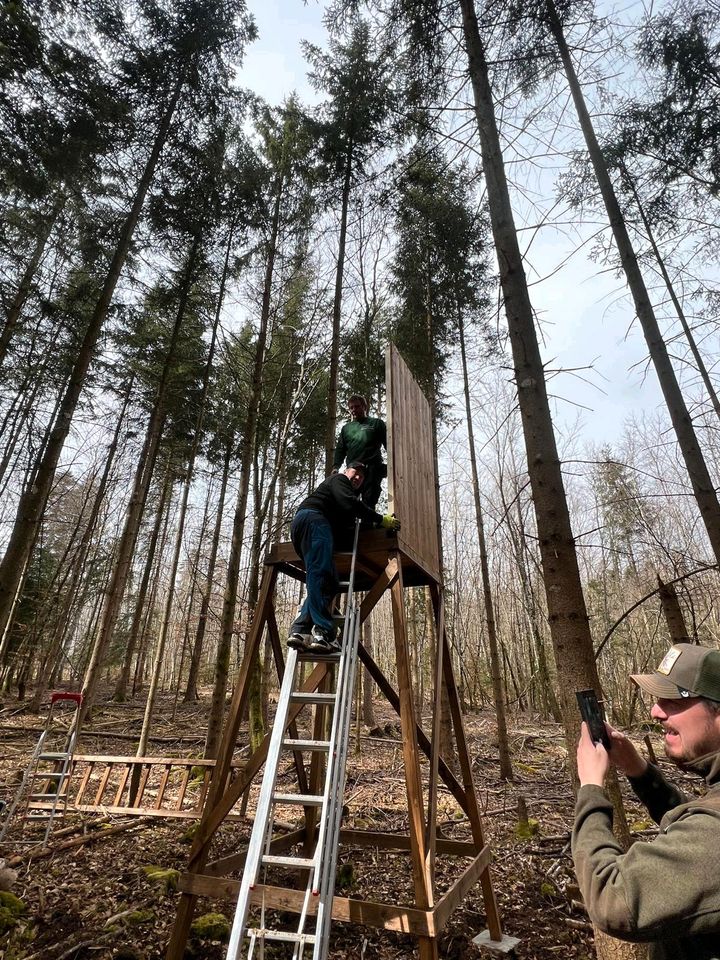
(374, 474)
(312, 537)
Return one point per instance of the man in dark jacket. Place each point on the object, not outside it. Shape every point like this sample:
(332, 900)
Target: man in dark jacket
(363, 439)
(322, 520)
(666, 892)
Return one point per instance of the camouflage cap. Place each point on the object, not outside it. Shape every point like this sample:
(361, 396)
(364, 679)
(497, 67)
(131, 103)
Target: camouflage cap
(686, 670)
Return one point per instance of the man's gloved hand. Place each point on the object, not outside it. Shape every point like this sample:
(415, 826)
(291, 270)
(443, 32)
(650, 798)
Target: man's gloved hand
(390, 522)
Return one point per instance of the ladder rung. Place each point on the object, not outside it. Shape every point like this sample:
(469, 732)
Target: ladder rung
(304, 799)
(53, 756)
(298, 697)
(286, 935)
(302, 863)
(48, 775)
(42, 796)
(321, 746)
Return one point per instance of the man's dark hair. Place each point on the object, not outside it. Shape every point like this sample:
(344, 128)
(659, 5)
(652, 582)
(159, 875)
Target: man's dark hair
(359, 396)
(712, 705)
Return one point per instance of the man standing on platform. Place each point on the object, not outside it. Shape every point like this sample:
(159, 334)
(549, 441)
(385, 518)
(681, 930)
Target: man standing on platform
(323, 520)
(362, 439)
(666, 892)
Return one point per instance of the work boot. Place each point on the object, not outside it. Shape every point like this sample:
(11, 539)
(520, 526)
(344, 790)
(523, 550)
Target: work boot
(322, 641)
(299, 641)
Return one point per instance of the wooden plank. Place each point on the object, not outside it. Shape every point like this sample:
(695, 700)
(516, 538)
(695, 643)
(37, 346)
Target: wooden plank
(413, 782)
(175, 761)
(473, 811)
(419, 923)
(393, 699)
(462, 886)
(84, 782)
(168, 813)
(235, 861)
(183, 788)
(383, 583)
(121, 786)
(396, 841)
(103, 783)
(436, 598)
(411, 463)
(162, 785)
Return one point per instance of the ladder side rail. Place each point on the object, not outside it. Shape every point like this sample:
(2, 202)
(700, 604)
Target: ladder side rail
(262, 814)
(24, 789)
(328, 835)
(331, 840)
(64, 775)
(337, 730)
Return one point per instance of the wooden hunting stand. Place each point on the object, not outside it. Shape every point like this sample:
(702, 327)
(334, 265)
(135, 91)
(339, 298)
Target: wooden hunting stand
(385, 563)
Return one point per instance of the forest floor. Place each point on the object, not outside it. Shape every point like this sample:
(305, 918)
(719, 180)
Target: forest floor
(96, 900)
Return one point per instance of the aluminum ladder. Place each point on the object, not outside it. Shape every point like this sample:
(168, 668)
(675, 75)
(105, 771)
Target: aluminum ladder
(43, 790)
(320, 867)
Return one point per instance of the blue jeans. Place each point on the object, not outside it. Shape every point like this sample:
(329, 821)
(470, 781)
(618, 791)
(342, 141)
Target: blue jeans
(311, 535)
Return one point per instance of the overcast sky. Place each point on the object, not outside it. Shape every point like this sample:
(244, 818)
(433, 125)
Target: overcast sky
(586, 317)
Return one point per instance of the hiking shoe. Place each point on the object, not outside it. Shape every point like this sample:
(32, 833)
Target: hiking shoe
(299, 641)
(323, 642)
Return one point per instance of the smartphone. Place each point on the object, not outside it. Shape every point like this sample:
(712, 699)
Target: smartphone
(592, 714)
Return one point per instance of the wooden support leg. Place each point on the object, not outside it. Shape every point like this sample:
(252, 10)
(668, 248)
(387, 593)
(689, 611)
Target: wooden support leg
(473, 810)
(422, 880)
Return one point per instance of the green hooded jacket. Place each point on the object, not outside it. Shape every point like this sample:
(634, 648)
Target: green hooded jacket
(665, 892)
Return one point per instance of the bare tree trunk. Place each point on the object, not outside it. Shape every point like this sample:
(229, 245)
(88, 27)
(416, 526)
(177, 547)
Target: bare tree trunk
(569, 625)
(700, 363)
(567, 613)
(136, 507)
(120, 694)
(506, 770)
(222, 664)
(33, 500)
(673, 614)
(191, 693)
(700, 480)
(337, 307)
(23, 290)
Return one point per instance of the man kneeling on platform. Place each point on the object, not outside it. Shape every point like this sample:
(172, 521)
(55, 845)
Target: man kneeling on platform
(323, 520)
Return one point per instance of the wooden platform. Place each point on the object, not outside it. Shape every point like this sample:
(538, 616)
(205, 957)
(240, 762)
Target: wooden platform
(374, 550)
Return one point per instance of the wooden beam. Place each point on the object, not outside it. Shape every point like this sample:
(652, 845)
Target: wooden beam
(227, 801)
(396, 841)
(491, 908)
(235, 861)
(462, 886)
(383, 583)
(413, 781)
(393, 699)
(430, 825)
(419, 923)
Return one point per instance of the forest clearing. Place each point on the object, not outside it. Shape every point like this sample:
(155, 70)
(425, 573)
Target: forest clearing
(450, 290)
(99, 894)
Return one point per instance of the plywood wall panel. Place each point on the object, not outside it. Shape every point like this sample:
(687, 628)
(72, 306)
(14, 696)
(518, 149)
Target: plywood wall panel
(411, 464)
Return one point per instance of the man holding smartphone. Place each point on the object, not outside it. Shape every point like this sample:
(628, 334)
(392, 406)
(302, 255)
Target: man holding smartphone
(666, 892)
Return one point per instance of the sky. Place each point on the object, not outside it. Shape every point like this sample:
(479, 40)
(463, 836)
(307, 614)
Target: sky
(586, 319)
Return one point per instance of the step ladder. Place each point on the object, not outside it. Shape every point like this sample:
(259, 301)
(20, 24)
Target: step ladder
(319, 869)
(42, 794)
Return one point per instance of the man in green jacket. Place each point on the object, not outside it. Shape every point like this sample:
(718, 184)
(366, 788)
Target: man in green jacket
(363, 439)
(666, 892)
